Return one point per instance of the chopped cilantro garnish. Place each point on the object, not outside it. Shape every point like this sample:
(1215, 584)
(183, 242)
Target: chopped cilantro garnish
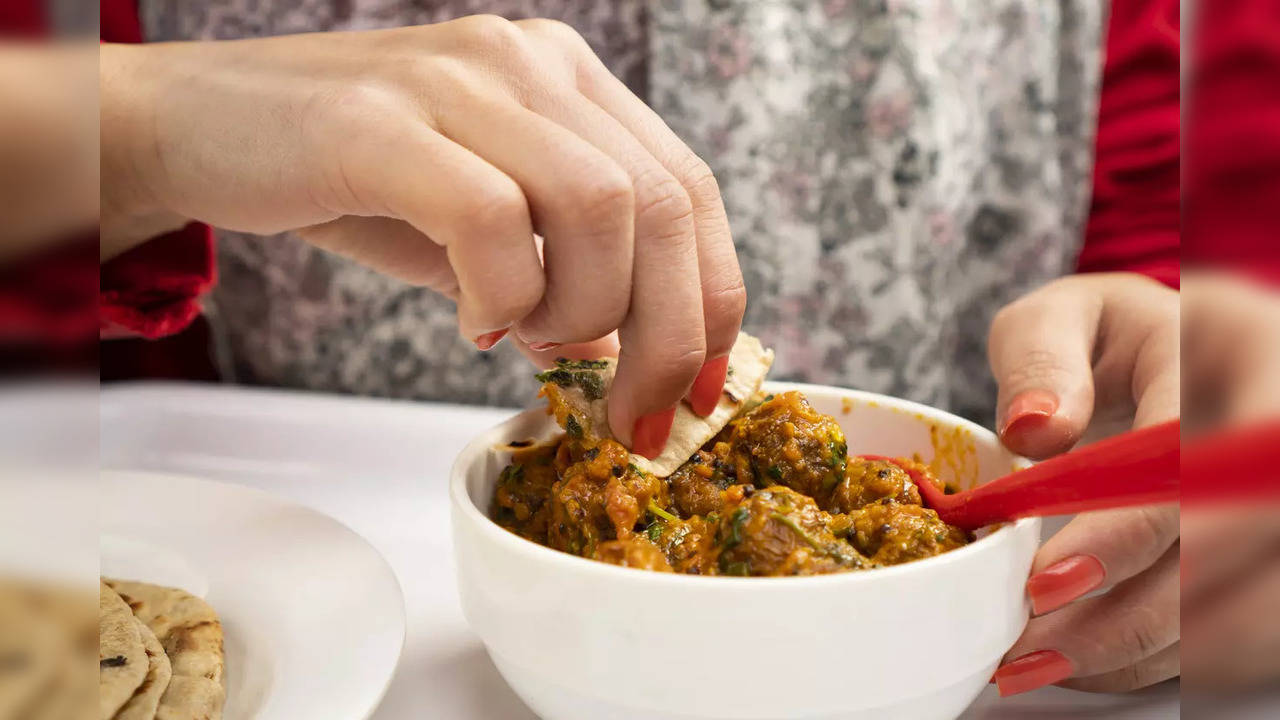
(736, 521)
(654, 531)
(577, 373)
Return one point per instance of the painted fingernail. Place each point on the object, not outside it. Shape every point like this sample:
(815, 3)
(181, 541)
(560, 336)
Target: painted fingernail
(488, 340)
(1032, 671)
(705, 393)
(540, 346)
(1064, 581)
(1028, 409)
(651, 433)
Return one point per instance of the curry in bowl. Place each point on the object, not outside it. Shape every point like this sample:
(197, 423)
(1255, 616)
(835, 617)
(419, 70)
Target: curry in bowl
(772, 492)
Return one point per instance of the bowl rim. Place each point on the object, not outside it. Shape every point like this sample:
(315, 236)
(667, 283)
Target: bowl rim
(463, 506)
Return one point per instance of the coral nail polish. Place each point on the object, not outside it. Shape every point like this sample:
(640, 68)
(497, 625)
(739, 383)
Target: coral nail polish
(1028, 409)
(1064, 581)
(651, 433)
(541, 346)
(1032, 671)
(488, 340)
(705, 393)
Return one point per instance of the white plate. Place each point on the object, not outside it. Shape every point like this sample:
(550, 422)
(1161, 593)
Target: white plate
(312, 615)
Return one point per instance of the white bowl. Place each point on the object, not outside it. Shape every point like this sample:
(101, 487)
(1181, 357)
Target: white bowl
(584, 640)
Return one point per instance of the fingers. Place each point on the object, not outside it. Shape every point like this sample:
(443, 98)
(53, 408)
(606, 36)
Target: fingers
(1040, 348)
(1104, 342)
(389, 246)
(1147, 671)
(581, 202)
(1135, 621)
(1231, 637)
(1099, 549)
(620, 249)
(606, 346)
(723, 293)
(475, 211)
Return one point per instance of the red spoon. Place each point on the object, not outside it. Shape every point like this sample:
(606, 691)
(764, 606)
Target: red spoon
(1134, 468)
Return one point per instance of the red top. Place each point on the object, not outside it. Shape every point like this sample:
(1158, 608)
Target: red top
(1233, 144)
(1134, 219)
(1133, 223)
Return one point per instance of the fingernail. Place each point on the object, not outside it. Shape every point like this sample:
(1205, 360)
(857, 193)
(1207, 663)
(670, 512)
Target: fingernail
(540, 346)
(651, 432)
(705, 393)
(1029, 408)
(1064, 581)
(1032, 671)
(488, 340)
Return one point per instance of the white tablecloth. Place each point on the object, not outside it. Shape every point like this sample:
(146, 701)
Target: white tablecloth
(381, 468)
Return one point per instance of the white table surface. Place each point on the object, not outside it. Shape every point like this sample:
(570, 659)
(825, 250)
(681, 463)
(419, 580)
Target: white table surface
(381, 468)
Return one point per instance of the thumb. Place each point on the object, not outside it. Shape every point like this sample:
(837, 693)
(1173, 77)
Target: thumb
(1041, 348)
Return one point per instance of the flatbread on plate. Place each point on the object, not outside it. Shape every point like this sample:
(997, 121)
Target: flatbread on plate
(122, 660)
(31, 648)
(143, 704)
(191, 634)
(578, 395)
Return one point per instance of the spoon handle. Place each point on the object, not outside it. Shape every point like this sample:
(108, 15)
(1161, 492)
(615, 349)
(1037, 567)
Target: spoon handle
(1140, 467)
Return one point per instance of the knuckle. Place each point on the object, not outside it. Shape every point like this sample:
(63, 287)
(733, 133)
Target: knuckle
(491, 32)
(500, 209)
(724, 306)
(605, 196)
(666, 203)
(683, 361)
(696, 176)
(1152, 530)
(1140, 637)
(502, 302)
(560, 32)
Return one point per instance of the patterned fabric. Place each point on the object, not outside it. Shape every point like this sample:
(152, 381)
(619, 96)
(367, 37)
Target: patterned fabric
(894, 172)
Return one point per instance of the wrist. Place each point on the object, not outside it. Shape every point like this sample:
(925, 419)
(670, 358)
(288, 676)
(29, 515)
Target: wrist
(133, 179)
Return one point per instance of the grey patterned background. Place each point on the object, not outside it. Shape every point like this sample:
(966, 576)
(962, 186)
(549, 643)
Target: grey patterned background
(894, 172)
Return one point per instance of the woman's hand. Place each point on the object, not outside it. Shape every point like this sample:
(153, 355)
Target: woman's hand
(1093, 348)
(435, 154)
(1231, 578)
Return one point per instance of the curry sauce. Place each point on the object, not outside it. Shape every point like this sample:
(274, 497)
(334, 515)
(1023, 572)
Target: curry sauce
(774, 493)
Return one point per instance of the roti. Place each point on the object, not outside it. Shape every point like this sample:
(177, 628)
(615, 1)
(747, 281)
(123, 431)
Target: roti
(189, 631)
(122, 660)
(143, 704)
(31, 649)
(578, 395)
(47, 636)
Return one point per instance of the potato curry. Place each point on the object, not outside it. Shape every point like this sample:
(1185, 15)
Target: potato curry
(773, 493)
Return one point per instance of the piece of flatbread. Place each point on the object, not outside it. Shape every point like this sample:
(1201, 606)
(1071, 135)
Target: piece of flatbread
(578, 395)
(191, 634)
(31, 648)
(143, 704)
(48, 632)
(122, 660)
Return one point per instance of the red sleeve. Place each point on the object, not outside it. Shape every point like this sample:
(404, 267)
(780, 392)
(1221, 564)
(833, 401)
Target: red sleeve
(1134, 218)
(1233, 141)
(154, 289)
